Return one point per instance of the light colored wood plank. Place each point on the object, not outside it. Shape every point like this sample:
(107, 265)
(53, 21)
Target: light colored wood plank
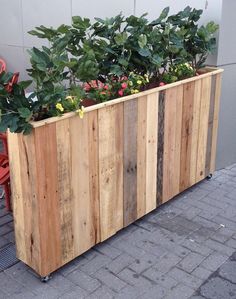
(83, 182)
(64, 189)
(187, 122)
(203, 128)
(111, 169)
(130, 161)
(17, 195)
(49, 215)
(151, 151)
(141, 156)
(195, 128)
(215, 122)
(172, 142)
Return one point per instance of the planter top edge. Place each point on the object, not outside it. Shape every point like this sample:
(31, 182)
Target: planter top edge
(210, 71)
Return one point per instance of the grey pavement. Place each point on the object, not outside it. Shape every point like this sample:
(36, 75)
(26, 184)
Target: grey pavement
(184, 249)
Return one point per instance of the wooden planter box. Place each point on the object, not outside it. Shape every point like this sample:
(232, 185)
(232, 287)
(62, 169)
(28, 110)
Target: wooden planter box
(76, 182)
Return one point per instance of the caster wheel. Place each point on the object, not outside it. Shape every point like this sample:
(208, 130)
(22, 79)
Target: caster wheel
(45, 279)
(209, 177)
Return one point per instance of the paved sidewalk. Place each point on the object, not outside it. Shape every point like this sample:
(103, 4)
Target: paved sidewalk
(184, 249)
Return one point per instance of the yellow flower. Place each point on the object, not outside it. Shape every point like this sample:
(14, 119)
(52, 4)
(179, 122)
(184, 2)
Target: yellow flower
(80, 112)
(59, 107)
(147, 78)
(139, 82)
(131, 83)
(133, 91)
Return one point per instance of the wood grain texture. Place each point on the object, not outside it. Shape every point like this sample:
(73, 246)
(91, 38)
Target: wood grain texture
(215, 122)
(151, 151)
(47, 185)
(160, 148)
(172, 142)
(141, 156)
(130, 161)
(76, 182)
(203, 128)
(111, 130)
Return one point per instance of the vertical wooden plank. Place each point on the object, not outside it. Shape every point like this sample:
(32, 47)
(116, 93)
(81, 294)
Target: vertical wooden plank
(215, 122)
(203, 128)
(49, 219)
(172, 142)
(17, 195)
(94, 174)
(84, 165)
(210, 125)
(111, 169)
(64, 189)
(195, 128)
(130, 161)
(141, 156)
(187, 121)
(160, 149)
(151, 151)
(30, 199)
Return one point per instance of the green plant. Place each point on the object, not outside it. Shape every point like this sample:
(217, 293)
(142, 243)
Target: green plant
(97, 60)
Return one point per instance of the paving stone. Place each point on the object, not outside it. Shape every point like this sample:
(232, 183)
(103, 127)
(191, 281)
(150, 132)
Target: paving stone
(201, 273)
(197, 297)
(10, 286)
(184, 277)
(228, 271)
(214, 261)
(134, 279)
(206, 223)
(162, 279)
(222, 234)
(231, 243)
(227, 223)
(5, 219)
(74, 293)
(191, 261)
(180, 292)
(110, 280)
(129, 292)
(191, 213)
(155, 292)
(72, 266)
(202, 234)
(217, 288)
(120, 263)
(219, 247)
(107, 250)
(197, 248)
(84, 281)
(60, 283)
(16, 270)
(102, 293)
(140, 265)
(167, 262)
(95, 264)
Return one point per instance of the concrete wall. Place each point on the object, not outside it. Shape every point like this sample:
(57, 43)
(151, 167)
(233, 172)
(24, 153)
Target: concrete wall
(20, 16)
(227, 59)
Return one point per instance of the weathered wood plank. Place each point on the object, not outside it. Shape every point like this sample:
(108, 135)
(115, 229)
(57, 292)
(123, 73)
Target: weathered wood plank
(47, 184)
(83, 181)
(203, 129)
(151, 151)
(141, 156)
(160, 148)
(215, 122)
(130, 161)
(172, 142)
(111, 169)
(195, 128)
(187, 122)
(64, 189)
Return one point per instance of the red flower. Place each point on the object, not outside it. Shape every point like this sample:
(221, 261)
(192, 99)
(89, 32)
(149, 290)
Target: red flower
(124, 85)
(86, 87)
(120, 92)
(162, 84)
(106, 87)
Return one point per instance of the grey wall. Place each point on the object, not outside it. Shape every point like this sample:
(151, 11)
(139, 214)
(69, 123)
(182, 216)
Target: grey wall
(20, 16)
(227, 60)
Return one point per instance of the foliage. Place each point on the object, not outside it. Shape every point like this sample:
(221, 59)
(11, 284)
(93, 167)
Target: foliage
(97, 60)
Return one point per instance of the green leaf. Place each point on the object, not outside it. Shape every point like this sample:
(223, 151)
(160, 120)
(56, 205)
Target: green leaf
(25, 113)
(25, 84)
(145, 52)
(142, 40)
(121, 38)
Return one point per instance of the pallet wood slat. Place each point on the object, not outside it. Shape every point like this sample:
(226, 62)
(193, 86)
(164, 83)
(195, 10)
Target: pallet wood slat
(76, 182)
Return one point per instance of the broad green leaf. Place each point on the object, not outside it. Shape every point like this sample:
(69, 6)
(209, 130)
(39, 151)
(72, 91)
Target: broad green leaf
(142, 40)
(121, 38)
